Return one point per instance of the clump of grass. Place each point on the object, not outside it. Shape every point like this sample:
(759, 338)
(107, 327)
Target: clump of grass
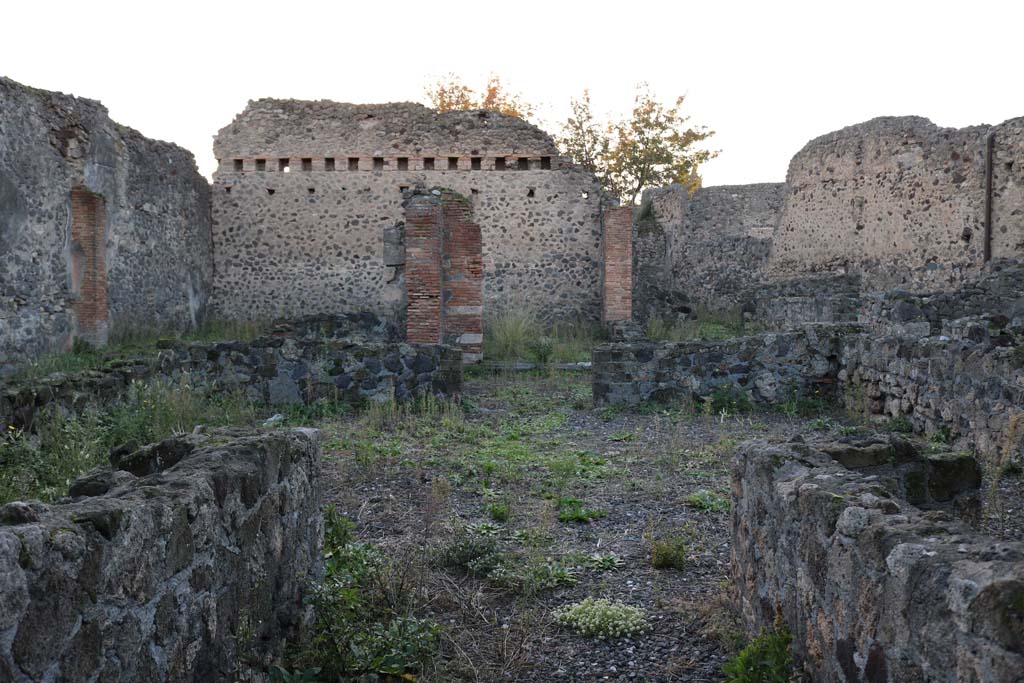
(766, 659)
(670, 552)
(507, 336)
(497, 511)
(900, 424)
(602, 618)
(707, 501)
(729, 400)
(573, 510)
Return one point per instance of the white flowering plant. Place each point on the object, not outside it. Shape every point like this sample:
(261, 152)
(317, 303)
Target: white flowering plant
(602, 618)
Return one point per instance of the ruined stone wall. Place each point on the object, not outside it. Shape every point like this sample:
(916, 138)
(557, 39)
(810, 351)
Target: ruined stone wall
(872, 588)
(189, 557)
(100, 228)
(702, 251)
(320, 237)
(999, 291)
(298, 362)
(965, 384)
(767, 368)
(901, 201)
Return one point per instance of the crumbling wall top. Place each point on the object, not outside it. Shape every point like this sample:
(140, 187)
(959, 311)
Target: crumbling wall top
(274, 127)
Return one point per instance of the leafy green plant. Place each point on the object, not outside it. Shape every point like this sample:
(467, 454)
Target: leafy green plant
(766, 659)
(900, 424)
(707, 501)
(822, 424)
(602, 618)
(573, 510)
(942, 436)
(670, 552)
(363, 612)
(606, 562)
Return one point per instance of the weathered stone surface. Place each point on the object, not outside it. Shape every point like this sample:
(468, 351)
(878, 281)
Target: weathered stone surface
(872, 588)
(154, 247)
(158, 578)
(767, 368)
(296, 362)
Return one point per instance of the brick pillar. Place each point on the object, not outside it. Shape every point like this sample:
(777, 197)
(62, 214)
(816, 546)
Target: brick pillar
(88, 265)
(444, 273)
(423, 275)
(617, 254)
(463, 278)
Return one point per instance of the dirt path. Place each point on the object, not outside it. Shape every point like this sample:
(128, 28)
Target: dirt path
(531, 499)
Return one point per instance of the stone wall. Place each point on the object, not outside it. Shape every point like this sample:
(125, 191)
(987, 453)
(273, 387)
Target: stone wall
(965, 384)
(100, 227)
(871, 587)
(767, 368)
(321, 238)
(901, 201)
(298, 362)
(999, 291)
(702, 251)
(190, 556)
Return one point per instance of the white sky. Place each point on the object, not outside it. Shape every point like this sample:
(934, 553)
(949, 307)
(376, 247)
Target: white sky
(766, 76)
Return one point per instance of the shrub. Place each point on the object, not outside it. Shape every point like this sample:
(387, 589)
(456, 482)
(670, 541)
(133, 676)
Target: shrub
(363, 622)
(766, 659)
(602, 618)
(669, 553)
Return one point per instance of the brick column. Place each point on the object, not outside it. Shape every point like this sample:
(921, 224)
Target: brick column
(617, 254)
(463, 278)
(423, 219)
(88, 265)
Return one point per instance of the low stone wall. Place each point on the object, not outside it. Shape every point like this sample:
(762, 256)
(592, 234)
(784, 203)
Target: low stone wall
(967, 384)
(872, 588)
(768, 368)
(176, 574)
(279, 371)
(302, 364)
(998, 292)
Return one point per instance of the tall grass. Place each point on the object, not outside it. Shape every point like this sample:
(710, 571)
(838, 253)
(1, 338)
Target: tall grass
(518, 334)
(43, 466)
(709, 325)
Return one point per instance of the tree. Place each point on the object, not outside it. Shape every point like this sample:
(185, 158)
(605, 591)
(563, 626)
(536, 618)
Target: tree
(582, 138)
(655, 146)
(451, 94)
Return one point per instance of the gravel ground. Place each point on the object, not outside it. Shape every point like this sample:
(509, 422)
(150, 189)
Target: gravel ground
(415, 486)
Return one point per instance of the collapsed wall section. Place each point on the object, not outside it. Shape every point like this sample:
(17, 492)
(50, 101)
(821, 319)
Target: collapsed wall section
(872, 588)
(189, 557)
(101, 229)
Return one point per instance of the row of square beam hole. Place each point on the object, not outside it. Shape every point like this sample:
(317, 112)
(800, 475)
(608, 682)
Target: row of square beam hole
(402, 164)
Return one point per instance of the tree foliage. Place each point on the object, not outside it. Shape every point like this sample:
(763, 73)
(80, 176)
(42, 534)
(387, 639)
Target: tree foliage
(654, 146)
(451, 94)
